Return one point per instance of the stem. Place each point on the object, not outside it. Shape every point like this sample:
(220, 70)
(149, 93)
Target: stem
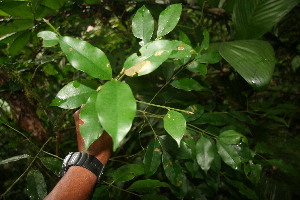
(165, 107)
(121, 189)
(52, 27)
(27, 169)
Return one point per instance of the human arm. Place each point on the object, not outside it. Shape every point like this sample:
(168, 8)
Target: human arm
(78, 183)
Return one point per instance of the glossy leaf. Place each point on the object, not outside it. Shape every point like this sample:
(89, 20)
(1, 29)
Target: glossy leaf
(116, 108)
(85, 57)
(254, 60)
(17, 9)
(187, 148)
(91, 130)
(36, 185)
(175, 125)
(143, 25)
(172, 170)
(231, 137)
(152, 158)
(205, 42)
(168, 19)
(73, 95)
(254, 18)
(184, 38)
(187, 84)
(147, 185)
(13, 159)
(209, 57)
(49, 38)
(197, 111)
(53, 164)
(181, 50)
(128, 172)
(205, 153)
(229, 155)
(15, 25)
(19, 43)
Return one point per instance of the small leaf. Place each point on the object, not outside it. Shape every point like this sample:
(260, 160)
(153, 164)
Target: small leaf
(231, 137)
(85, 57)
(254, 60)
(172, 170)
(168, 19)
(52, 164)
(205, 42)
(143, 25)
(16, 25)
(128, 172)
(181, 50)
(295, 63)
(13, 159)
(116, 108)
(152, 158)
(19, 9)
(196, 66)
(187, 84)
(147, 185)
(253, 172)
(229, 155)
(36, 185)
(205, 153)
(197, 111)
(91, 130)
(175, 125)
(184, 38)
(73, 95)
(209, 57)
(50, 38)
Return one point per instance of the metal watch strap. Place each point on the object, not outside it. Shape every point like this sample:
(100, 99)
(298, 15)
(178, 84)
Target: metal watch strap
(84, 160)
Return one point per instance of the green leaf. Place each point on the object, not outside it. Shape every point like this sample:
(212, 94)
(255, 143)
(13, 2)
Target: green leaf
(52, 164)
(85, 57)
(253, 171)
(244, 190)
(50, 38)
(128, 172)
(55, 5)
(184, 38)
(295, 63)
(91, 130)
(254, 60)
(196, 109)
(154, 197)
(73, 95)
(168, 19)
(187, 148)
(231, 137)
(152, 158)
(13, 159)
(172, 170)
(229, 155)
(147, 185)
(17, 9)
(19, 43)
(181, 50)
(187, 84)
(143, 25)
(36, 185)
(205, 153)
(116, 108)
(197, 67)
(175, 125)
(15, 25)
(209, 57)
(254, 18)
(205, 42)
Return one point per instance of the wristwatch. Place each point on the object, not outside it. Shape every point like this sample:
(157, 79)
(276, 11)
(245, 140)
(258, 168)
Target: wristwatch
(84, 160)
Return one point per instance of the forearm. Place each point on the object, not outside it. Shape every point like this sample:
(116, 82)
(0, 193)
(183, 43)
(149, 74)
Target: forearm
(77, 184)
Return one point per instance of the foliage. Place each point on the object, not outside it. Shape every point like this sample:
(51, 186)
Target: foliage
(193, 100)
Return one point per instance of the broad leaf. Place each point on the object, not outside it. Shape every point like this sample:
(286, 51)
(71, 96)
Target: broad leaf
(91, 130)
(152, 158)
(209, 57)
(175, 125)
(187, 84)
(128, 172)
(15, 25)
(13, 159)
(254, 60)
(73, 95)
(85, 57)
(172, 170)
(147, 185)
(49, 38)
(17, 9)
(232, 137)
(229, 155)
(254, 18)
(116, 108)
(19, 43)
(181, 50)
(36, 185)
(168, 19)
(55, 5)
(205, 153)
(143, 25)
(53, 164)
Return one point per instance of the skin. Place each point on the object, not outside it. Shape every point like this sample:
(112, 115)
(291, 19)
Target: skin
(78, 183)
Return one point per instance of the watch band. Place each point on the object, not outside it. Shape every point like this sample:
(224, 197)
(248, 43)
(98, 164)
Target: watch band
(84, 160)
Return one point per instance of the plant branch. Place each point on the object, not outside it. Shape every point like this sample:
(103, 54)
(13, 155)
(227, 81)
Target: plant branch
(165, 107)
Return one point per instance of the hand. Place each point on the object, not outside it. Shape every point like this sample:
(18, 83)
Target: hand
(101, 148)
